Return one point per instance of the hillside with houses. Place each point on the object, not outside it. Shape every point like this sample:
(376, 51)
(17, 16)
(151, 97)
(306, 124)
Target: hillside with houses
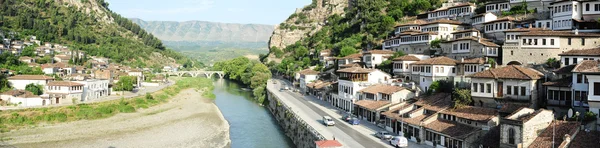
(512, 73)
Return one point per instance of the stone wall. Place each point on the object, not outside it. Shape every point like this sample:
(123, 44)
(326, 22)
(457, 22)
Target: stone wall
(301, 133)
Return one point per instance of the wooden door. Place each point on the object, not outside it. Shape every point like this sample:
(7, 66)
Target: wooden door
(500, 89)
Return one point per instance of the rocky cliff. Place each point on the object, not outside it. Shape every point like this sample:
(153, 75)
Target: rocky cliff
(305, 22)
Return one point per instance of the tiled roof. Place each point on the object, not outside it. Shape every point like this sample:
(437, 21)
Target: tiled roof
(318, 84)
(564, 82)
(437, 61)
(371, 104)
(30, 77)
(353, 56)
(464, 31)
(435, 102)
(565, 69)
(501, 19)
(308, 72)
(443, 22)
(587, 66)
(559, 33)
(407, 58)
(481, 41)
(64, 83)
(509, 72)
(25, 58)
(415, 22)
(473, 61)
(582, 52)
(356, 70)
(382, 88)
(20, 93)
(455, 130)
(473, 113)
(380, 52)
(351, 65)
(414, 120)
(328, 143)
(558, 129)
(586, 139)
(525, 29)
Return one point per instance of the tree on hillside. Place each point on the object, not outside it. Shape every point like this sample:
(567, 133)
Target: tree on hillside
(347, 51)
(461, 97)
(28, 51)
(125, 83)
(4, 84)
(35, 89)
(436, 43)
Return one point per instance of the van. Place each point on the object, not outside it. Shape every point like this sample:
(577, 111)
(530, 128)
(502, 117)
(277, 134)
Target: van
(328, 121)
(399, 141)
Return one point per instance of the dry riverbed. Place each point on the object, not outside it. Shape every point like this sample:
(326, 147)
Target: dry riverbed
(186, 121)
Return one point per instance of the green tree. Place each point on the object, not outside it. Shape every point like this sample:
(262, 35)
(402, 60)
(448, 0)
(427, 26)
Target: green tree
(461, 97)
(28, 51)
(347, 51)
(4, 84)
(35, 89)
(125, 83)
(436, 43)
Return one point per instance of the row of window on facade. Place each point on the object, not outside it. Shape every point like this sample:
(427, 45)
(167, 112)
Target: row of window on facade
(436, 139)
(346, 89)
(497, 26)
(564, 8)
(587, 7)
(461, 46)
(427, 69)
(60, 88)
(495, 7)
(510, 90)
(562, 23)
(580, 97)
(400, 66)
(535, 41)
(567, 61)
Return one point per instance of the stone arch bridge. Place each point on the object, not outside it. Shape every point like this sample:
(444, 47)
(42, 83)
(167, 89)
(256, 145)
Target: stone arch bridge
(208, 74)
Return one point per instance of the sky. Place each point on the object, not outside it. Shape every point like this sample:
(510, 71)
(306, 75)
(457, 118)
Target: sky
(268, 12)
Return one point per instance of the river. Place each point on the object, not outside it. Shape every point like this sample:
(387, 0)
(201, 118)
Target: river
(251, 125)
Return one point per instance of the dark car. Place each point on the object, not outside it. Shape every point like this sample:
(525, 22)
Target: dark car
(354, 121)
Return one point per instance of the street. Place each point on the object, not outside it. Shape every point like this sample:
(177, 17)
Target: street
(312, 110)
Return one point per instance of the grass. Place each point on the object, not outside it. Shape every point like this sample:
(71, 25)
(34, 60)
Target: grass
(16, 119)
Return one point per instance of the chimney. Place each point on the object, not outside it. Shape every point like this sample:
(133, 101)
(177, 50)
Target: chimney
(576, 31)
(462, 59)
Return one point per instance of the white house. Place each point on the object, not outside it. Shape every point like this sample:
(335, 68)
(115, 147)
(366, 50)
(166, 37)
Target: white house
(21, 81)
(23, 98)
(49, 69)
(495, 29)
(353, 79)
(375, 57)
(326, 58)
(307, 76)
(510, 83)
(411, 25)
(427, 71)
(497, 6)
(402, 64)
(458, 10)
(376, 99)
(569, 15)
(479, 19)
(349, 59)
(94, 89)
(593, 97)
(64, 92)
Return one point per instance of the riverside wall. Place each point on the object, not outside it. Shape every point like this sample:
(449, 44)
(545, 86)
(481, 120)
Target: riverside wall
(301, 133)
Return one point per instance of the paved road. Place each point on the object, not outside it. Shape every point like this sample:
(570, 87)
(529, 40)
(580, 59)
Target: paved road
(350, 135)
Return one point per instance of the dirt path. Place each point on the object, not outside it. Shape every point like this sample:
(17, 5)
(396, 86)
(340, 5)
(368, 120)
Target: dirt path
(186, 121)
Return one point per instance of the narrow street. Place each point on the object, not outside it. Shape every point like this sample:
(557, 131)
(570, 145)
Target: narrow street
(312, 111)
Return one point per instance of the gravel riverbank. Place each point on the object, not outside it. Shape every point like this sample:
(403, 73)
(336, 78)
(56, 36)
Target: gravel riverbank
(186, 121)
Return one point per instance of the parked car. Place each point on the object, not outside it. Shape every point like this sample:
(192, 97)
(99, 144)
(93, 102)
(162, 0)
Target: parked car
(383, 135)
(347, 118)
(399, 141)
(354, 121)
(328, 121)
(286, 88)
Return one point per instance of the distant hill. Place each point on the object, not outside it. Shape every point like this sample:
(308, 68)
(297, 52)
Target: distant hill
(211, 41)
(202, 33)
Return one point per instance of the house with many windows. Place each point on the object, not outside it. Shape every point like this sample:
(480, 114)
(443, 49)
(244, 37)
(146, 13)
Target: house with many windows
(402, 65)
(21, 81)
(451, 12)
(353, 79)
(64, 92)
(497, 6)
(375, 99)
(491, 88)
(479, 19)
(581, 15)
(522, 127)
(427, 71)
(349, 59)
(373, 58)
(469, 44)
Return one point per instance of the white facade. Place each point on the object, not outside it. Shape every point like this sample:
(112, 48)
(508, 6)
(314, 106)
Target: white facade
(347, 89)
(594, 96)
(305, 79)
(572, 60)
(26, 101)
(20, 84)
(373, 59)
(497, 7)
(94, 89)
(50, 70)
(487, 17)
(432, 73)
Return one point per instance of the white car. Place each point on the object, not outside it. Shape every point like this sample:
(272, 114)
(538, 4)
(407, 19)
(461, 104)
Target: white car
(328, 121)
(399, 141)
(383, 135)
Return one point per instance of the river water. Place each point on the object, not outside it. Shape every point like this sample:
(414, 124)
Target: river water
(251, 125)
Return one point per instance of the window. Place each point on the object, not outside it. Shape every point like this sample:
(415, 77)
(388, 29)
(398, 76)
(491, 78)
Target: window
(474, 87)
(551, 41)
(524, 41)
(578, 95)
(442, 69)
(516, 90)
(482, 87)
(453, 70)
(569, 41)
(508, 90)
(583, 41)
(566, 61)
(511, 136)
(579, 78)
(596, 88)
(489, 88)
(574, 60)
(523, 91)
(543, 41)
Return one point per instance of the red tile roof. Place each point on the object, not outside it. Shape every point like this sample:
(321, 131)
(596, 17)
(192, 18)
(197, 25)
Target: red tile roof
(452, 129)
(582, 52)
(31, 77)
(353, 56)
(382, 88)
(473, 61)
(371, 104)
(328, 143)
(587, 66)
(437, 61)
(473, 113)
(356, 70)
(564, 82)
(64, 83)
(509, 72)
(380, 52)
(20, 93)
(558, 129)
(308, 72)
(586, 139)
(407, 58)
(415, 23)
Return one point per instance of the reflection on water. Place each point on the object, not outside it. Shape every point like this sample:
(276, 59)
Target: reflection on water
(251, 125)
